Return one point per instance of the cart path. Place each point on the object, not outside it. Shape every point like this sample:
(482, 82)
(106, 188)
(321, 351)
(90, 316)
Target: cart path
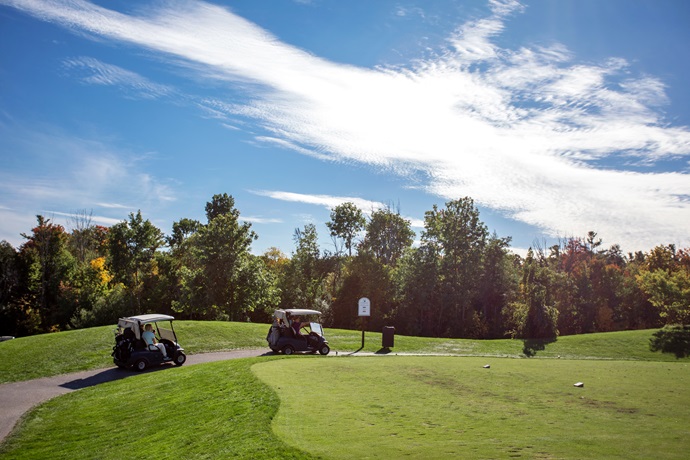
(19, 397)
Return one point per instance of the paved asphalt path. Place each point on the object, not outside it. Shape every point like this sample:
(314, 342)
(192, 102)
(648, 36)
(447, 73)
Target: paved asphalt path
(17, 398)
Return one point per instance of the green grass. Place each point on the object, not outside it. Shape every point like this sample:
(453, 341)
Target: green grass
(218, 410)
(635, 403)
(625, 345)
(71, 351)
(447, 407)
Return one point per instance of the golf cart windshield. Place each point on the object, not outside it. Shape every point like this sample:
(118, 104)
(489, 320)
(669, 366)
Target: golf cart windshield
(316, 328)
(167, 334)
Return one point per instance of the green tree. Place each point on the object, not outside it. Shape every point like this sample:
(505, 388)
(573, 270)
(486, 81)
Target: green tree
(346, 221)
(216, 275)
(97, 301)
(498, 285)
(221, 204)
(536, 320)
(636, 312)
(665, 281)
(181, 230)
(278, 265)
(459, 237)
(9, 273)
(577, 303)
(18, 317)
(132, 247)
(48, 265)
(661, 258)
(416, 279)
(669, 292)
(223, 248)
(388, 236)
(303, 284)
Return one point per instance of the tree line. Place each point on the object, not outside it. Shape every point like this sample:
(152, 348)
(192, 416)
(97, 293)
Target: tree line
(459, 281)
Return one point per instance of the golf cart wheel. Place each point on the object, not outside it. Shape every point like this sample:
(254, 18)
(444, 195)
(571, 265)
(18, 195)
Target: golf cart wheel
(324, 350)
(180, 359)
(140, 365)
(288, 350)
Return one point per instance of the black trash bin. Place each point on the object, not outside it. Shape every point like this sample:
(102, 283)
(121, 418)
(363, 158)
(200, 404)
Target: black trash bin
(388, 337)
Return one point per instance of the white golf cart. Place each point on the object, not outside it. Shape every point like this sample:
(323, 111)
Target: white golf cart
(131, 351)
(283, 338)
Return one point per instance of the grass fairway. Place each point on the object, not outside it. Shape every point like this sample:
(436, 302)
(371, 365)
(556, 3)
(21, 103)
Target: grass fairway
(445, 407)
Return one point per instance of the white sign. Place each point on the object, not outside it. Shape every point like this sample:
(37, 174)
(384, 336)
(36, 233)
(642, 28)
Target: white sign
(364, 307)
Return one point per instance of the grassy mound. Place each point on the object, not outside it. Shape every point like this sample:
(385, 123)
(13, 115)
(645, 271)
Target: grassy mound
(218, 410)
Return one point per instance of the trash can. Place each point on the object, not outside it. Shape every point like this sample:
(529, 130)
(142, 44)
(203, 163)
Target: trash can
(388, 337)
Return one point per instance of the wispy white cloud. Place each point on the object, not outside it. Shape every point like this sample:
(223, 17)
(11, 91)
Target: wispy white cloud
(113, 205)
(261, 220)
(72, 173)
(95, 72)
(329, 202)
(522, 131)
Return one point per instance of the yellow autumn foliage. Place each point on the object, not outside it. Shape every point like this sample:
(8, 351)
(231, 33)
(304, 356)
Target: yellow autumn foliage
(98, 264)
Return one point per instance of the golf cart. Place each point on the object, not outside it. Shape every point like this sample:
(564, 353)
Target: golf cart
(283, 338)
(131, 351)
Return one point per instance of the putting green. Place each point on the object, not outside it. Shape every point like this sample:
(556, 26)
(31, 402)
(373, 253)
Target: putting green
(450, 407)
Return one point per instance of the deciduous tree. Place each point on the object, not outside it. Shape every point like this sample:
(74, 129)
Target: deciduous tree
(347, 220)
(388, 236)
(132, 246)
(49, 264)
(459, 237)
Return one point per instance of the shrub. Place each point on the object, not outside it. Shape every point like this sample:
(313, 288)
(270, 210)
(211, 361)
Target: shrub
(672, 339)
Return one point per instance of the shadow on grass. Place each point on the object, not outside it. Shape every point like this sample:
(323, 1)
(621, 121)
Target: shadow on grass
(356, 351)
(532, 346)
(672, 339)
(108, 375)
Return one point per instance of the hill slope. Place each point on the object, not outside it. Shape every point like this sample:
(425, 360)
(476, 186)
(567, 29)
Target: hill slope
(71, 351)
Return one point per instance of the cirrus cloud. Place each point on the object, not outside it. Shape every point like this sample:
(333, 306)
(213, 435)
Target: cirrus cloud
(546, 140)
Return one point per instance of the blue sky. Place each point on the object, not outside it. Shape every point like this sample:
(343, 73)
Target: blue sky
(556, 117)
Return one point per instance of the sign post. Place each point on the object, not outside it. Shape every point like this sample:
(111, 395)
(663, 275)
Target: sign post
(364, 311)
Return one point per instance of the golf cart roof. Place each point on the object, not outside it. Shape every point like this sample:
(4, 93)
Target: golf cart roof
(140, 320)
(300, 312)
(150, 318)
(135, 322)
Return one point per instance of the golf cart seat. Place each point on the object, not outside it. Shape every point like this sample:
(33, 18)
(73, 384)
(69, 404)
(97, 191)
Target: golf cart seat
(128, 333)
(290, 332)
(295, 335)
(139, 344)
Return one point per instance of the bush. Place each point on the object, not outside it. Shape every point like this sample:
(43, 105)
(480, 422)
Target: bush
(672, 339)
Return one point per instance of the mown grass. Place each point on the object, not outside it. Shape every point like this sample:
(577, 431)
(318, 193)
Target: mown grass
(624, 345)
(71, 351)
(371, 407)
(218, 410)
(449, 407)
(634, 403)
